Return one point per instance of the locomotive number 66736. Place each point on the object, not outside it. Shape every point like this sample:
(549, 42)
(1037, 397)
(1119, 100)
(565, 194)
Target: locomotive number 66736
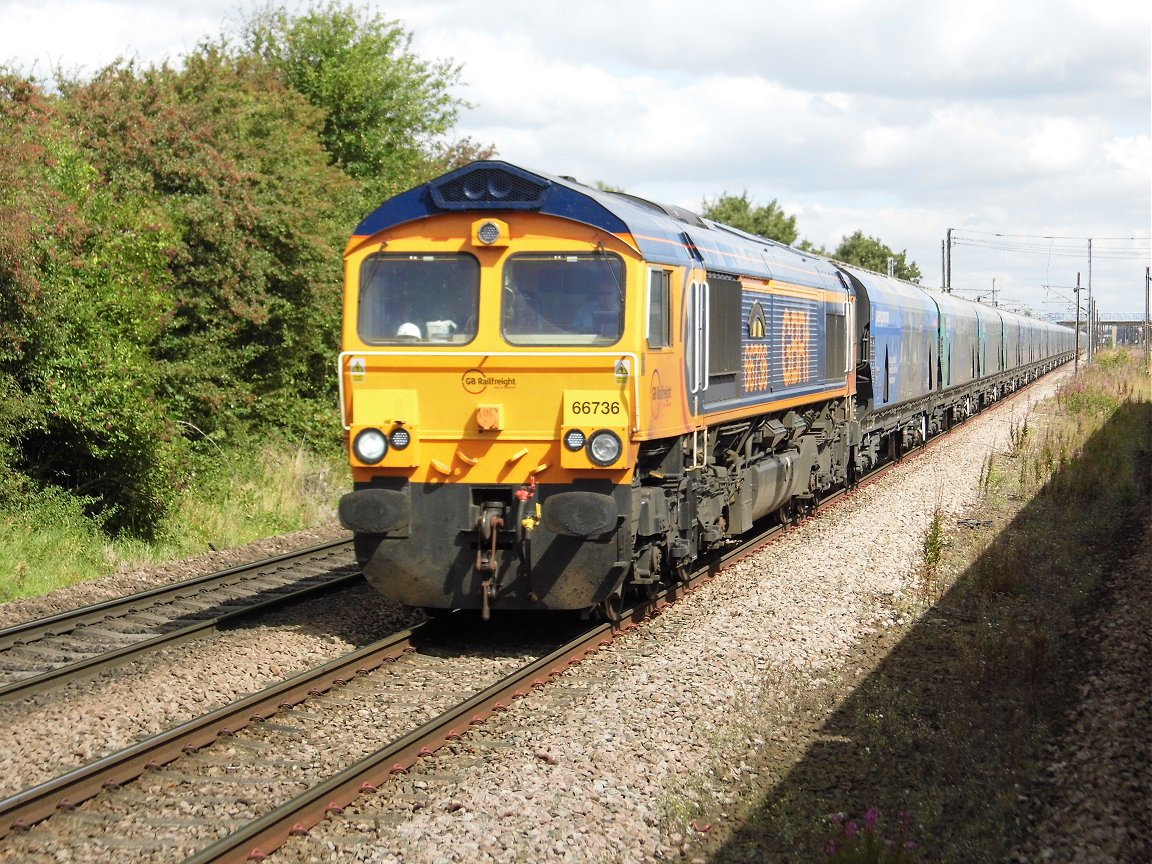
(554, 394)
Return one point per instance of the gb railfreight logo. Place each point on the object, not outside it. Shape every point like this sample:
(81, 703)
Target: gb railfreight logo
(476, 381)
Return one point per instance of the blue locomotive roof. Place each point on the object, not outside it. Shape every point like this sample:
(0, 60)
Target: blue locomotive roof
(664, 234)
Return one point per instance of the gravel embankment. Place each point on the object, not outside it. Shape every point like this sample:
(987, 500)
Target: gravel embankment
(598, 765)
(59, 730)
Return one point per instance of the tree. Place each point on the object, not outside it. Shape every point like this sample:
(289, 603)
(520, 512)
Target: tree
(81, 274)
(451, 155)
(807, 245)
(37, 229)
(170, 245)
(764, 221)
(871, 254)
(386, 110)
(230, 159)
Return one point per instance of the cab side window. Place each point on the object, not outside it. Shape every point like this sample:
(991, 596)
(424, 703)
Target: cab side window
(659, 313)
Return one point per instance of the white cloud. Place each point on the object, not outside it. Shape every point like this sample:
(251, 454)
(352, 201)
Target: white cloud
(82, 36)
(899, 118)
(1058, 145)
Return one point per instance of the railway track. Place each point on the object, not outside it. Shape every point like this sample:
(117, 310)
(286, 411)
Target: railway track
(265, 724)
(47, 653)
(264, 717)
(301, 803)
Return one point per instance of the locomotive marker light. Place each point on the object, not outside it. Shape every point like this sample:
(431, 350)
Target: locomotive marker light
(370, 446)
(400, 438)
(574, 440)
(490, 232)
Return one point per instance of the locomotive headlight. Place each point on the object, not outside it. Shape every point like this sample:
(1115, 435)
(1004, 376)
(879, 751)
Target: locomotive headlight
(604, 447)
(574, 440)
(370, 446)
(400, 438)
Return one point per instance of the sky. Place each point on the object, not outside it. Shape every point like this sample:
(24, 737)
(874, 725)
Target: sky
(1021, 127)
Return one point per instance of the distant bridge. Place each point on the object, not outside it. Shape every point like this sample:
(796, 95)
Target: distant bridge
(1112, 328)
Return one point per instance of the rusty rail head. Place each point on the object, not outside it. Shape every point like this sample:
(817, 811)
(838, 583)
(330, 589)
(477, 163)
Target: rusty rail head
(66, 621)
(261, 837)
(68, 790)
(86, 667)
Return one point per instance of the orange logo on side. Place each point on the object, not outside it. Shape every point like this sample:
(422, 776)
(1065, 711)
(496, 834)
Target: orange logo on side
(661, 395)
(755, 367)
(755, 359)
(794, 339)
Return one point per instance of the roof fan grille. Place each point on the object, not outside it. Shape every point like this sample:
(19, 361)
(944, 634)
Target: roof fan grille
(489, 187)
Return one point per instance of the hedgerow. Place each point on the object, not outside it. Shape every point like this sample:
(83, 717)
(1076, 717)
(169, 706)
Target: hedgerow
(170, 253)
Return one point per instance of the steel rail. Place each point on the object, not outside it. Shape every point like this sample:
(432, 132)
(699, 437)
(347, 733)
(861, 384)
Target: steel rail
(64, 622)
(258, 838)
(73, 788)
(53, 678)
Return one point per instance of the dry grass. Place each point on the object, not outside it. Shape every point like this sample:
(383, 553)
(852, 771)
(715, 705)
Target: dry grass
(954, 724)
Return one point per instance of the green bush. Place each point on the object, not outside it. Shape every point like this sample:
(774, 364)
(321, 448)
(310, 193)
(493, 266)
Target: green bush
(232, 158)
(386, 110)
(170, 265)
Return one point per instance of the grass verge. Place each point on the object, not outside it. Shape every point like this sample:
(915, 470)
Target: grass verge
(940, 736)
(230, 498)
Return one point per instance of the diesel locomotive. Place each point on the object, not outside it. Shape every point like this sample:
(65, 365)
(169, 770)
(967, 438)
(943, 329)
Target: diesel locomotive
(555, 394)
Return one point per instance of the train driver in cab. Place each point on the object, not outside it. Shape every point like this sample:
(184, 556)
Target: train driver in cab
(602, 310)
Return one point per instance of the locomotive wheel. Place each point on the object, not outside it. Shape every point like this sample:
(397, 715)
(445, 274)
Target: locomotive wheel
(656, 563)
(612, 607)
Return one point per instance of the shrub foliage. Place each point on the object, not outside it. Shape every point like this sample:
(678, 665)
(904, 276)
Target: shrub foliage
(170, 242)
